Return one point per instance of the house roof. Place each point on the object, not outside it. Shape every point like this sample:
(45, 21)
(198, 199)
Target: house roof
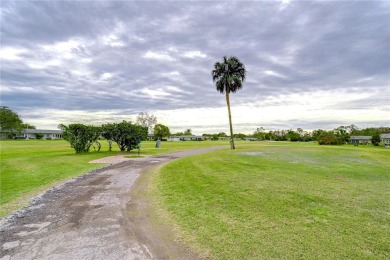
(360, 137)
(187, 136)
(36, 131)
(385, 136)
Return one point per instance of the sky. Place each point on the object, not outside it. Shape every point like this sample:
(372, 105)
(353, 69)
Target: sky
(309, 64)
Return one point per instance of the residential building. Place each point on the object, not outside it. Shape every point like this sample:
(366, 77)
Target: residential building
(356, 140)
(385, 139)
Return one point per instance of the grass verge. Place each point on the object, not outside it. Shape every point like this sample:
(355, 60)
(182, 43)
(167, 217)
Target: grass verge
(29, 167)
(280, 200)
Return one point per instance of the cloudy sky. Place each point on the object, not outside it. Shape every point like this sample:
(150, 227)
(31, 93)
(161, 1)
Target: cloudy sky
(310, 64)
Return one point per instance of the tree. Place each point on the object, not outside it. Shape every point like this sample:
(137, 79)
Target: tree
(342, 133)
(10, 120)
(161, 131)
(259, 133)
(188, 132)
(146, 120)
(81, 137)
(292, 136)
(28, 126)
(108, 134)
(229, 76)
(128, 135)
(376, 139)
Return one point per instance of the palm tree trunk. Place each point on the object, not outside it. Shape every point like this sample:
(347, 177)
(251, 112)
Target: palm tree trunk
(230, 121)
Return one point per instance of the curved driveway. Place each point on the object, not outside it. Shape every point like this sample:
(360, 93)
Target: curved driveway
(88, 218)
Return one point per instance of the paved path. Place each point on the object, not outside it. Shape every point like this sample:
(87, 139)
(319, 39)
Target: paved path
(87, 218)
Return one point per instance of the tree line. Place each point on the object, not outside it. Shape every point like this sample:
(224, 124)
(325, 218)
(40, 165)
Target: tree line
(337, 136)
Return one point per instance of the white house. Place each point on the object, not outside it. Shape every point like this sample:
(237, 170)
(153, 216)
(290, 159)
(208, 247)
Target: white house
(356, 140)
(385, 139)
(47, 134)
(187, 138)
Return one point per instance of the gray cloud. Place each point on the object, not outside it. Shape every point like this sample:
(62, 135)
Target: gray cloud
(156, 56)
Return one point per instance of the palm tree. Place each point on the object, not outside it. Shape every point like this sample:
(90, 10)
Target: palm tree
(228, 77)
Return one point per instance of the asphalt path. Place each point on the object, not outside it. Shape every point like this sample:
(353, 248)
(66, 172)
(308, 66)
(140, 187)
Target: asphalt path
(95, 216)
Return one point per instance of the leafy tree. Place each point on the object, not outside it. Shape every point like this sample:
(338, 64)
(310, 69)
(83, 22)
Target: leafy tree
(229, 76)
(342, 133)
(39, 136)
(144, 119)
(161, 131)
(108, 134)
(239, 136)
(376, 139)
(188, 132)
(28, 126)
(329, 138)
(81, 137)
(259, 133)
(128, 135)
(291, 135)
(10, 120)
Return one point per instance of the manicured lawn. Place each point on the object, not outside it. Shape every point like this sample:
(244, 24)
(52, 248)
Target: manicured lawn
(280, 201)
(29, 167)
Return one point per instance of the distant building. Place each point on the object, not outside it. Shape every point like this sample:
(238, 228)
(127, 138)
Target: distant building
(385, 139)
(251, 139)
(47, 134)
(356, 140)
(187, 138)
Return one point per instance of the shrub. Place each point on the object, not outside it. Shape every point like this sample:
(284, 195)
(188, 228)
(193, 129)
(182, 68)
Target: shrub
(39, 136)
(376, 139)
(330, 140)
(81, 137)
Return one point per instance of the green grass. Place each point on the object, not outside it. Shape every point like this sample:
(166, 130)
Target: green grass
(280, 200)
(29, 167)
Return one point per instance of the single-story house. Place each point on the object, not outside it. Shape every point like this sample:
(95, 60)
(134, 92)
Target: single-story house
(187, 138)
(385, 139)
(251, 139)
(356, 140)
(32, 134)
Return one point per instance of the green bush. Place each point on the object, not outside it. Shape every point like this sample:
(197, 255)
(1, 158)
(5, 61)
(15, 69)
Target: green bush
(39, 136)
(376, 139)
(330, 140)
(81, 137)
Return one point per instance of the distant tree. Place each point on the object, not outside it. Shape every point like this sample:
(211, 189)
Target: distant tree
(28, 126)
(81, 137)
(342, 133)
(292, 136)
(376, 139)
(10, 120)
(222, 134)
(259, 133)
(188, 132)
(213, 137)
(229, 76)
(161, 131)
(147, 120)
(329, 138)
(318, 133)
(240, 136)
(39, 136)
(306, 136)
